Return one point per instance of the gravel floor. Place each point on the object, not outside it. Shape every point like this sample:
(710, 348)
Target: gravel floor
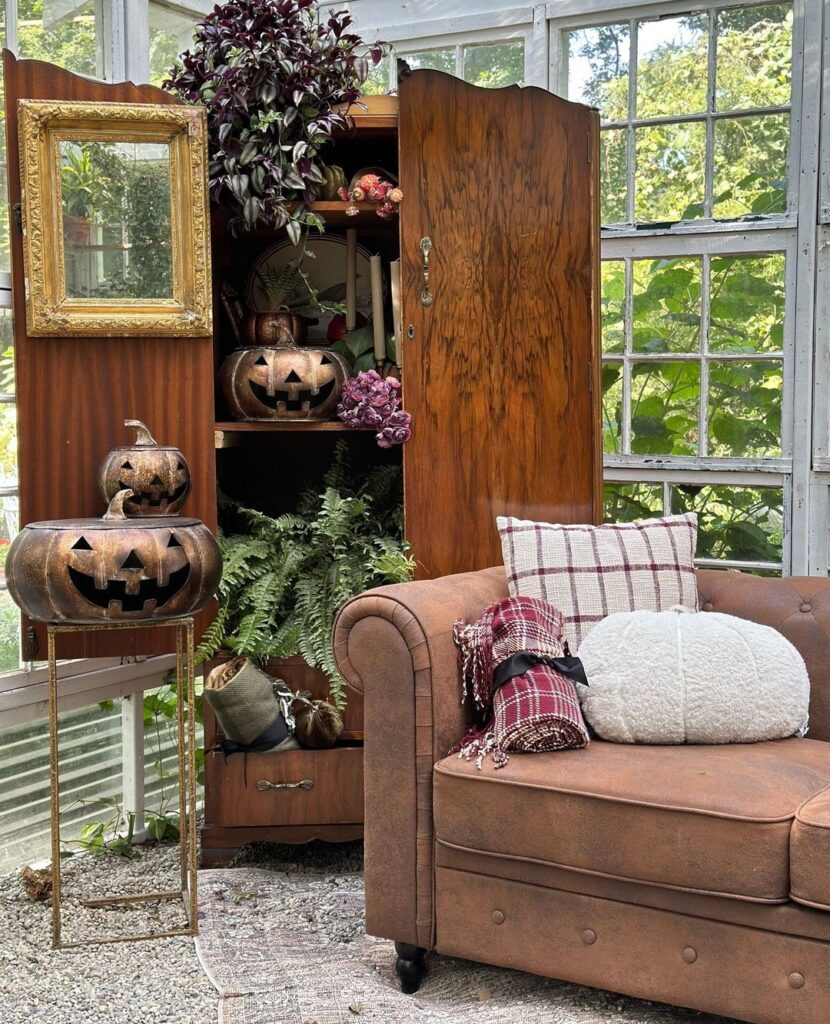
(161, 982)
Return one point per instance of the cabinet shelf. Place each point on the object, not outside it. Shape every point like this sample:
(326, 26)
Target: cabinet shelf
(230, 427)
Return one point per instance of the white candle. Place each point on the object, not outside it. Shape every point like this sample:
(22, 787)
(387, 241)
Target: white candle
(377, 309)
(351, 279)
(395, 289)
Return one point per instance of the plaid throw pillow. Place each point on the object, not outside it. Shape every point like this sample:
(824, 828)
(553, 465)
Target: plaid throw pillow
(591, 571)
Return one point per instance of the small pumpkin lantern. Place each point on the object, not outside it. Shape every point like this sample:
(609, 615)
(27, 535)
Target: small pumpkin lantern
(113, 568)
(283, 381)
(156, 475)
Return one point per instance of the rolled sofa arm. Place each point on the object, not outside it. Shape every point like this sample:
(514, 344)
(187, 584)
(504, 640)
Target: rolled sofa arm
(395, 644)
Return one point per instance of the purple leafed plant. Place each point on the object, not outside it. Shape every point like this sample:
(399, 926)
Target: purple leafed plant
(271, 74)
(369, 400)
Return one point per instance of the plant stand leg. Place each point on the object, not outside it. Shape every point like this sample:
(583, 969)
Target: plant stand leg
(410, 966)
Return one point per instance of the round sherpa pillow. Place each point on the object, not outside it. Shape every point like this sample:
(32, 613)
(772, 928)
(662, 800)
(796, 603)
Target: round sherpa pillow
(691, 677)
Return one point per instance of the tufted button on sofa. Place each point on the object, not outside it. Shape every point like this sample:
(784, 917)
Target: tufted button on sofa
(694, 875)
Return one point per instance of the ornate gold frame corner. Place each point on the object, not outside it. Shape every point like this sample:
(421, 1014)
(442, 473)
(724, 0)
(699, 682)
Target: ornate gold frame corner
(49, 312)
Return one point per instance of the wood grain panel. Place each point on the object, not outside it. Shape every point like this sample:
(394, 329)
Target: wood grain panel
(74, 394)
(498, 376)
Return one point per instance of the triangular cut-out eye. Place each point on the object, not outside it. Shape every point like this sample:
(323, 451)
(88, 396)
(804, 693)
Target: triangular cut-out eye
(126, 465)
(292, 378)
(179, 465)
(173, 543)
(132, 561)
(325, 361)
(262, 361)
(81, 544)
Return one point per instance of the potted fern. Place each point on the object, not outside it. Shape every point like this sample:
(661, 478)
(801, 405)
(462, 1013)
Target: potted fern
(285, 577)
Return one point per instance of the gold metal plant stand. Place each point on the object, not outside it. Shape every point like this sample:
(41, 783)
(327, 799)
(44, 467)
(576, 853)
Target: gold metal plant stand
(186, 748)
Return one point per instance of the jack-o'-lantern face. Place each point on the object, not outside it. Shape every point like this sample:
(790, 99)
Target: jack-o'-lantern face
(142, 579)
(87, 570)
(158, 476)
(285, 382)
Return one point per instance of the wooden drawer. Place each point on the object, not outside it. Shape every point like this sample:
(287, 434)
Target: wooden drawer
(237, 794)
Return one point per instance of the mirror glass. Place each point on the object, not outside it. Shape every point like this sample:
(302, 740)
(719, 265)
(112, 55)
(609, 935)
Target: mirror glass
(115, 199)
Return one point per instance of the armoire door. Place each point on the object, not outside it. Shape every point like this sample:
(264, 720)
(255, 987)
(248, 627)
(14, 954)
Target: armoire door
(73, 394)
(500, 258)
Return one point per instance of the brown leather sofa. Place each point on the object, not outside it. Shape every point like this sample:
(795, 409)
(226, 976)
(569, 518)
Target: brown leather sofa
(693, 875)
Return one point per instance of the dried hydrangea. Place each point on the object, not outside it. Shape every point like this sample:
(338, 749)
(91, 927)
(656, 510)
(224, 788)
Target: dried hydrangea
(369, 400)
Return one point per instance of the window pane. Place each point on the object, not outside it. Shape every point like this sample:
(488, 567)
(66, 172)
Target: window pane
(664, 408)
(9, 621)
(65, 34)
(495, 64)
(436, 60)
(672, 56)
(666, 305)
(746, 308)
(612, 378)
(598, 69)
(613, 186)
(745, 409)
(613, 305)
(171, 33)
(670, 168)
(624, 503)
(750, 165)
(741, 523)
(754, 64)
(378, 80)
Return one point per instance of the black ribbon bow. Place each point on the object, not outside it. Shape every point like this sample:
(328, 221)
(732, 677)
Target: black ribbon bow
(517, 664)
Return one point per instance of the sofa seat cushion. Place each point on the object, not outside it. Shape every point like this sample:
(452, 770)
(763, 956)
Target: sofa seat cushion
(810, 853)
(707, 819)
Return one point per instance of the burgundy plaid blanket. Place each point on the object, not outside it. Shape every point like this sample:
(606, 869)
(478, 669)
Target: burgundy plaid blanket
(534, 710)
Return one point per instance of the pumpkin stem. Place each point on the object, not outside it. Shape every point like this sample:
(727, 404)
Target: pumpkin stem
(143, 437)
(116, 505)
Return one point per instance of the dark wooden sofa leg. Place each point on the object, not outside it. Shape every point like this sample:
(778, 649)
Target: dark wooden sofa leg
(410, 966)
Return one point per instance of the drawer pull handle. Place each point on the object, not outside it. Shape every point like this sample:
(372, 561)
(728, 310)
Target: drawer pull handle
(264, 785)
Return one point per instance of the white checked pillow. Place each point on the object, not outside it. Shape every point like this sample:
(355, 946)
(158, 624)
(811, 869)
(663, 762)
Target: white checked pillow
(588, 572)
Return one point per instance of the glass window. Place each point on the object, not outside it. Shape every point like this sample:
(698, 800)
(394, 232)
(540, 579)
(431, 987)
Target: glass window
(66, 34)
(171, 33)
(695, 162)
(494, 65)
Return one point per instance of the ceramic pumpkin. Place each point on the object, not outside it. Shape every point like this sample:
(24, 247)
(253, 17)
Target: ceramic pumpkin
(283, 382)
(113, 568)
(157, 476)
(270, 328)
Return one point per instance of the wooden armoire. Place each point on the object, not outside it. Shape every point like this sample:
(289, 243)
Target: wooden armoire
(500, 374)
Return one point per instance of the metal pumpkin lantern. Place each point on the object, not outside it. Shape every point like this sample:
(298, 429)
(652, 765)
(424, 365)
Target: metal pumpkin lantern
(283, 382)
(113, 568)
(157, 476)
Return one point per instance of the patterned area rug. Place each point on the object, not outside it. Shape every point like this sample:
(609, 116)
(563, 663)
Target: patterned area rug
(290, 949)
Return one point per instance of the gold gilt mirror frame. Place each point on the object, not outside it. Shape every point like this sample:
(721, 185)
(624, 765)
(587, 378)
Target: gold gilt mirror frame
(115, 219)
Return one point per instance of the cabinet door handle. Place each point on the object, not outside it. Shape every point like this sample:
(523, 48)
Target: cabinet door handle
(426, 249)
(263, 785)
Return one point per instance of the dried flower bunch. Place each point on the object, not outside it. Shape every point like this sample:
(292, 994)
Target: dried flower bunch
(369, 400)
(375, 189)
(275, 78)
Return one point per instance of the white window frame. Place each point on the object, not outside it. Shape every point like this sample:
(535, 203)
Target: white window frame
(788, 232)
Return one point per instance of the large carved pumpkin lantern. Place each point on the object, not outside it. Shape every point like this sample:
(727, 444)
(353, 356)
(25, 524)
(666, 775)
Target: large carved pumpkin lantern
(283, 381)
(114, 568)
(158, 475)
